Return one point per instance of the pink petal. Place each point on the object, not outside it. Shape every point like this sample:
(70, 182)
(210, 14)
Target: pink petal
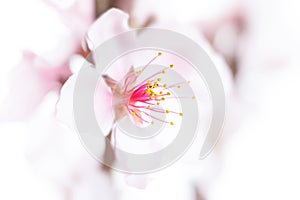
(64, 107)
(111, 23)
(103, 107)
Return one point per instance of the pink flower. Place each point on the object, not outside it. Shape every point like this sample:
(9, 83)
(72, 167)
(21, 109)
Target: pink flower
(131, 96)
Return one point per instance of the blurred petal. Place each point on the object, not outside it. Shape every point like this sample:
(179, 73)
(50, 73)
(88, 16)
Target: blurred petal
(73, 20)
(138, 181)
(31, 81)
(56, 154)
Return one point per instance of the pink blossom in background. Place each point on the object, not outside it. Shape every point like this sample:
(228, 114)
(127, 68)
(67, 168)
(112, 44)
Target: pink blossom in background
(76, 17)
(44, 68)
(31, 81)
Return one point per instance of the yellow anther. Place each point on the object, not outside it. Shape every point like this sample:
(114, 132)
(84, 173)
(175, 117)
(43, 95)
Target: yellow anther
(133, 114)
(167, 111)
(164, 85)
(159, 53)
(158, 79)
(168, 93)
(148, 106)
(178, 86)
(152, 122)
(189, 82)
(180, 114)
(160, 92)
(163, 98)
(163, 71)
(171, 66)
(157, 103)
(193, 97)
(139, 72)
(172, 123)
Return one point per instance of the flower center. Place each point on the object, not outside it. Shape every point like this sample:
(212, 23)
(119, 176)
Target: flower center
(147, 96)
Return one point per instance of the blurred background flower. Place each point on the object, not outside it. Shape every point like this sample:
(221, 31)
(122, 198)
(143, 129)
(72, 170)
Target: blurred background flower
(253, 43)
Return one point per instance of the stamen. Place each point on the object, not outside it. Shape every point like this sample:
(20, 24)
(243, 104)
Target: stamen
(136, 115)
(155, 117)
(174, 85)
(150, 93)
(147, 79)
(149, 63)
(180, 97)
(139, 117)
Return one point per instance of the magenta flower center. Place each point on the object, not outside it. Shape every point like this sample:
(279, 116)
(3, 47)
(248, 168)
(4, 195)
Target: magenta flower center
(145, 98)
